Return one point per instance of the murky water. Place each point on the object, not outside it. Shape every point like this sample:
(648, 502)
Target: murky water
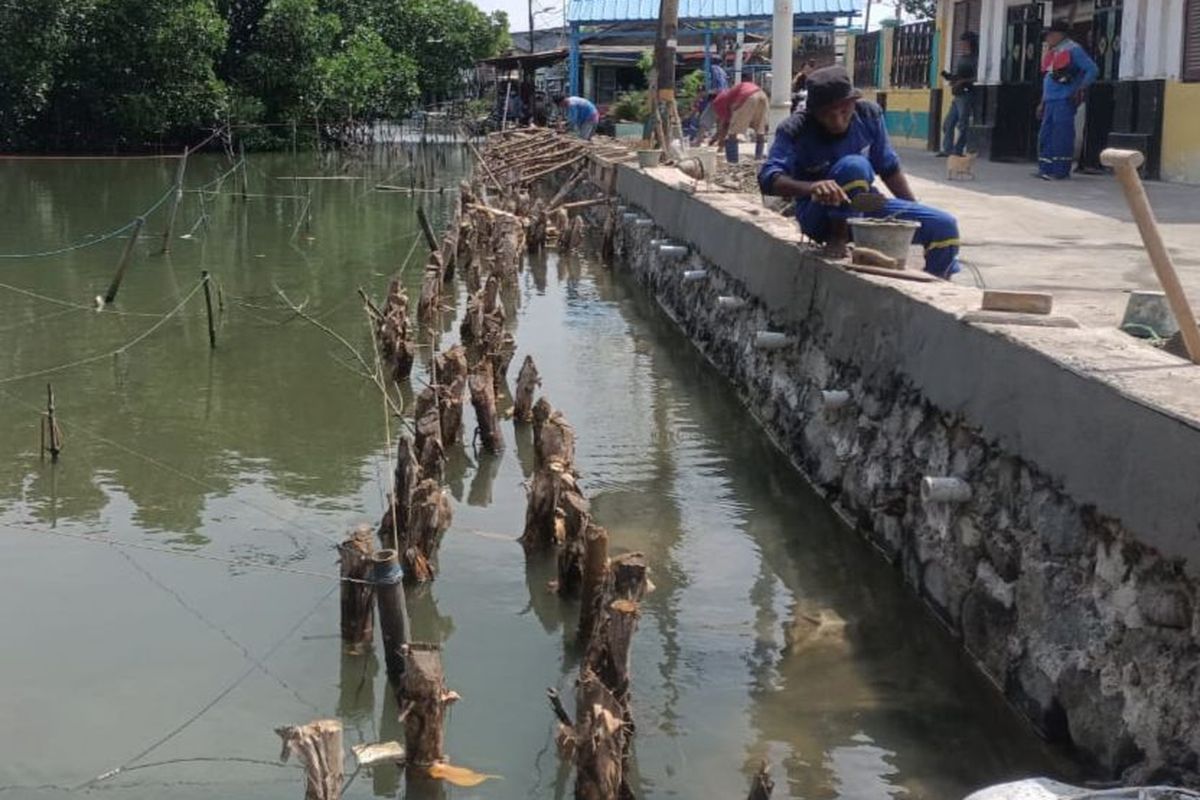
(774, 631)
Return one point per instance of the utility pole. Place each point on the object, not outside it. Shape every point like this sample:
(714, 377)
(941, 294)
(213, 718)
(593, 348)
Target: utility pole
(531, 26)
(781, 62)
(665, 44)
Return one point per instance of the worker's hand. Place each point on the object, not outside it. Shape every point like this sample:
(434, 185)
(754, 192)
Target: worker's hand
(829, 193)
(1041, 110)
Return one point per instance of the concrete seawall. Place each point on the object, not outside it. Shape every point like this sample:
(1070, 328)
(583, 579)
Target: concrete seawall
(1071, 574)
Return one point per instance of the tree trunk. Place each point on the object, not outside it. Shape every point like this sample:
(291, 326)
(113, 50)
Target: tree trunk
(595, 575)
(528, 381)
(423, 701)
(358, 594)
(319, 746)
(483, 398)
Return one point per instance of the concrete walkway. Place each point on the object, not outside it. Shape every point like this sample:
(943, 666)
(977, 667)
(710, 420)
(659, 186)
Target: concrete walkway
(1075, 239)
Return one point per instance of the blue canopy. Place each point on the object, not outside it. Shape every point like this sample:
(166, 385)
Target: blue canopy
(626, 10)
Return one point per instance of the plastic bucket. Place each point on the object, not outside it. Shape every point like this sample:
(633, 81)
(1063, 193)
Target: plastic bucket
(649, 158)
(892, 237)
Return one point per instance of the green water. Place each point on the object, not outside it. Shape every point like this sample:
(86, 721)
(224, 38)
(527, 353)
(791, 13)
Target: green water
(178, 657)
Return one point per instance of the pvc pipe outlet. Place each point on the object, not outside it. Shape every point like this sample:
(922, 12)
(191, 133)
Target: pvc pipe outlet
(643, 221)
(676, 250)
(835, 398)
(630, 216)
(771, 340)
(659, 242)
(944, 490)
(622, 209)
(726, 301)
(693, 275)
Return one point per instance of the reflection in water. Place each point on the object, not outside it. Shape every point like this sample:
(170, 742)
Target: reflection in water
(774, 631)
(487, 467)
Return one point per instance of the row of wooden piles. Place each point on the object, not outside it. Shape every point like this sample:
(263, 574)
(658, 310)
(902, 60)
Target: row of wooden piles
(499, 216)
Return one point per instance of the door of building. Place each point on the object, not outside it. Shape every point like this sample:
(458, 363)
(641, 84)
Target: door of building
(1015, 134)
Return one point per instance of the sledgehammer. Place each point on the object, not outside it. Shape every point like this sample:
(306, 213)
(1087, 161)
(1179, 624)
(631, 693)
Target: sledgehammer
(1125, 164)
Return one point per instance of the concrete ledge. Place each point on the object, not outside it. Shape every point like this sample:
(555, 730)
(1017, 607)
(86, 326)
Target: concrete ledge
(1116, 423)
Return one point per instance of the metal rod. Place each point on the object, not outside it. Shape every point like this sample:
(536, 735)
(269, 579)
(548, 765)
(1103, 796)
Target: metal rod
(212, 331)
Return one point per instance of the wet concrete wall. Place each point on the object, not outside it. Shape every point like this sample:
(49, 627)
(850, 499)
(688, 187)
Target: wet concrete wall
(1071, 572)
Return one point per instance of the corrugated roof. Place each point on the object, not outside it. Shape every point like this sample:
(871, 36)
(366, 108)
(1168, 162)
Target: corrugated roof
(622, 10)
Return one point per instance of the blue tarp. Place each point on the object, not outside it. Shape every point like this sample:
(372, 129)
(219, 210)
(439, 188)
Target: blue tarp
(624, 10)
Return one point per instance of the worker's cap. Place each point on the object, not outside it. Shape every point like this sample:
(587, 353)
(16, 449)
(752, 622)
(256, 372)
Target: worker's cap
(829, 85)
(1057, 26)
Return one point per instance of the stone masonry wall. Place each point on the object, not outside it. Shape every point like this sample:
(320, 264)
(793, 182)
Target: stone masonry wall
(1089, 633)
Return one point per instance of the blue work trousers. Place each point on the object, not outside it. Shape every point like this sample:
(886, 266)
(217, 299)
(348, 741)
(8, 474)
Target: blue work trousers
(1056, 139)
(938, 232)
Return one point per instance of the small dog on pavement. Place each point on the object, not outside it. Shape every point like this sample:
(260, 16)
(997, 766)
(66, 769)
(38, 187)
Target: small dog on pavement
(960, 168)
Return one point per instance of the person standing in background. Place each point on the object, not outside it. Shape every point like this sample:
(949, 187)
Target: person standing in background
(1069, 71)
(962, 88)
(736, 110)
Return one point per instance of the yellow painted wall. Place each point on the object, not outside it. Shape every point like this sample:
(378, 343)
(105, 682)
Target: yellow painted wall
(1181, 132)
(908, 116)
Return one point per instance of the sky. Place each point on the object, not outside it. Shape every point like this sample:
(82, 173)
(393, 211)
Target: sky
(549, 12)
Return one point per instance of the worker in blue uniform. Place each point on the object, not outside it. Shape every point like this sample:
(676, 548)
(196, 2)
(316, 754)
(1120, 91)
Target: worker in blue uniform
(1068, 72)
(830, 153)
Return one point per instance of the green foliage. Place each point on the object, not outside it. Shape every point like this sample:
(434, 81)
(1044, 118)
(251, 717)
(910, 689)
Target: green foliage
(283, 67)
(926, 9)
(93, 73)
(366, 79)
(630, 107)
(691, 87)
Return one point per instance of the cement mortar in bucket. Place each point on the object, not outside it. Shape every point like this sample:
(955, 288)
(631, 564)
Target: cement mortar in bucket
(892, 237)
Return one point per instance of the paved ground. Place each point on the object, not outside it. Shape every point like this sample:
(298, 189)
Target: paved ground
(1074, 238)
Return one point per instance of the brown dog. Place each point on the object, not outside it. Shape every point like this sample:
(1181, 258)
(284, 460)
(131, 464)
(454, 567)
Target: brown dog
(960, 168)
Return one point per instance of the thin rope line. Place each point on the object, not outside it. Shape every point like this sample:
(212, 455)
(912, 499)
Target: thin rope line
(224, 634)
(76, 428)
(69, 304)
(94, 241)
(210, 704)
(92, 359)
(233, 562)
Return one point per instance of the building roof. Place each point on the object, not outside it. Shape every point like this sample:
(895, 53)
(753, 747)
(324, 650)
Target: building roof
(515, 60)
(622, 10)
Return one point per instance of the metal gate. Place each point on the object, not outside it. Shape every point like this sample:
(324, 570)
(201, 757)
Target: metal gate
(1023, 44)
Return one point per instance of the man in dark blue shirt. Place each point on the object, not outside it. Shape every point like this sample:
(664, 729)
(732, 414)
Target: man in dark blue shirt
(830, 153)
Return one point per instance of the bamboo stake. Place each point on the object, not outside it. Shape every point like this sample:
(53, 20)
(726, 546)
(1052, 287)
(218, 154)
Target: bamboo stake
(123, 265)
(166, 248)
(212, 331)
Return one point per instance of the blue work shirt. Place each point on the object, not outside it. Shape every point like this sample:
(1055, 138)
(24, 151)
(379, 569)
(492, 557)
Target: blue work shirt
(1068, 68)
(580, 110)
(803, 150)
(718, 78)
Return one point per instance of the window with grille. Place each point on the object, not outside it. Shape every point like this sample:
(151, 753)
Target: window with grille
(866, 56)
(1191, 41)
(912, 50)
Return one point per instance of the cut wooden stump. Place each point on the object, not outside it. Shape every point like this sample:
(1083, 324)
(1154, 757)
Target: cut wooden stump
(595, 575)
(541, 511)
(528, 381)
(431, 291)
(616, 616)
(483, 397)
(431, 518)
(553, 437)
(601, 742)
(501, 355)
(318, 745)
(573, 510)
(423, 699)
(572, 238)
(358, 593)
(761, 784)
(393, 528)
(427, 435)
(395, 345)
